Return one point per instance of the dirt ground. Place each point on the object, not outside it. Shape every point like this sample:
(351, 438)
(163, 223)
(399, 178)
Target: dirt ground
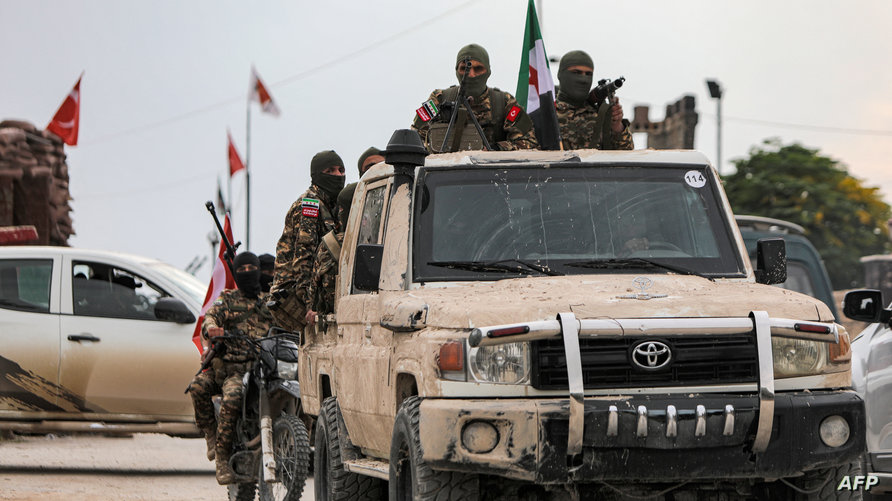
(146, 467)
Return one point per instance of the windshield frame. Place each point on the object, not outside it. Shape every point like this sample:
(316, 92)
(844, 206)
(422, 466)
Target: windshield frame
(429, 178)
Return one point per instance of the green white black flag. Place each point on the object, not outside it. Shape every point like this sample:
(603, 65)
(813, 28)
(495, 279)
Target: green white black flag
(535, 87)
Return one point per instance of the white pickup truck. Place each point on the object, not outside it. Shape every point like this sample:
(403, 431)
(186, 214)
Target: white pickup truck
(569, 325)
(95, 341)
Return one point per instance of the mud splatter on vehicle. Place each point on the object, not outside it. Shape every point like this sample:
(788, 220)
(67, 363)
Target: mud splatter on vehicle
(566, 325)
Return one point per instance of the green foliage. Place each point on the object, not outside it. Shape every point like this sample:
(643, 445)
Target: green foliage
(844, 219)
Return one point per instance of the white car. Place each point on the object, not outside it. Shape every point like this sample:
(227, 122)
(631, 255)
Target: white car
(872, 378)
(95, 341)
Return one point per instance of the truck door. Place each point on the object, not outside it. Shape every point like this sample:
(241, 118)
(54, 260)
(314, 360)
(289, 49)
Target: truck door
(363, 351)
(29, 333)
(114, 352)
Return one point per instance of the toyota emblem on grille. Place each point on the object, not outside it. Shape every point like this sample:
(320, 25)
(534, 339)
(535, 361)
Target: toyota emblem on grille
(651, 355)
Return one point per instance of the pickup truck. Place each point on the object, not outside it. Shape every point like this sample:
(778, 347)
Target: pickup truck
(95, 341)
(569, 325)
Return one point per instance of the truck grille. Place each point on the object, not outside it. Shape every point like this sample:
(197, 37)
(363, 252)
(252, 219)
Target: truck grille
(606, 362)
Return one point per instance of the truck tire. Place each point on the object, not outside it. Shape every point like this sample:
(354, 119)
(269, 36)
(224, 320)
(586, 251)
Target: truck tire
(241, 492)
(291, 447)
(820, 485)
(411, 479)
(332, 481)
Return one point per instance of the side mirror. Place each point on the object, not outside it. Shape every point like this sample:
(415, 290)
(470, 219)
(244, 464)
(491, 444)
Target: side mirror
(771, 261)
(171, 309)
(865, 305)
(367, 266)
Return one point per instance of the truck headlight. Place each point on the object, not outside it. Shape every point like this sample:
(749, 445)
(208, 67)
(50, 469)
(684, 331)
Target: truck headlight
(504, 363)
(798, 357)
(286, 370)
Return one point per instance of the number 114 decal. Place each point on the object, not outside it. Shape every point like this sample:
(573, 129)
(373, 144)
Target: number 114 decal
(695, 179)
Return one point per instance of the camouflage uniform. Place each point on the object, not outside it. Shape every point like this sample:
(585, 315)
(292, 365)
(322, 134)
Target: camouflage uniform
(231, 311)
(325, 271)
(307, 220)
(581, 128)
(513, 134)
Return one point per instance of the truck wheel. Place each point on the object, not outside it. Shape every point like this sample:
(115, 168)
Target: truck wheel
(241, 492)
(821, 484)
(411, 479)
(332, 481)
(291, 447)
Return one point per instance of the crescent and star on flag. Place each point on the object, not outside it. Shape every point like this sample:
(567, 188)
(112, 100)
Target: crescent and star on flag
(65, 123)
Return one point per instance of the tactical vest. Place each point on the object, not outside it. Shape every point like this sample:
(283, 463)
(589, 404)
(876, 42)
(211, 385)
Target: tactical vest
(469, 138)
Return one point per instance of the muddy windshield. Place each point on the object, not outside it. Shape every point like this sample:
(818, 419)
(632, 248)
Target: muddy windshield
(488, 224)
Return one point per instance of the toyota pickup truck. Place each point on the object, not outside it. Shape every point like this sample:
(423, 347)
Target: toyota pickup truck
(569, 325)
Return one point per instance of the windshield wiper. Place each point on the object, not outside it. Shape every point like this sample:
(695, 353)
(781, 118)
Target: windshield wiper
(497, 266)
(531, 265)
(634, 262)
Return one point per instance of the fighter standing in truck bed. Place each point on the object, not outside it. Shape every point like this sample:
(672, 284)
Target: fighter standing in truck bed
(581, 119)
(309, 217)
(505, 124)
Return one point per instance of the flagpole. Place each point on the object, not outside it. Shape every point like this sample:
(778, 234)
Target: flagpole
(229, 174)
(248, 178)
(539, 10)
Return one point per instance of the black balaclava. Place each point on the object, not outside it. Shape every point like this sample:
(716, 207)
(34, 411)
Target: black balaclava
(345, 198)
(267, 268)
(574, 88)
(474, 86)
(328, 183)
(365, 155)
(247, 281)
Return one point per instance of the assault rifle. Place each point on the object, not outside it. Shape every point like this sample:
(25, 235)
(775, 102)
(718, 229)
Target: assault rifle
(229, 254)
(461, 100)
(606, 89)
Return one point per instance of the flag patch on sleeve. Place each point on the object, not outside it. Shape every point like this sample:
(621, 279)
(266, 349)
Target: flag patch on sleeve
(427, 111)
(309, 207)
(513, 113)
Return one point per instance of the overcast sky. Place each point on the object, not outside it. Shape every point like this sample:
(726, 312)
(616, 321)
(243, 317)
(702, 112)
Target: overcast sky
(163, 80)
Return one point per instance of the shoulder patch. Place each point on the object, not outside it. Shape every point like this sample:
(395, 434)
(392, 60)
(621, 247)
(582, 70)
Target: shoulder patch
(218, 302)
(309, 207)
(513, 113)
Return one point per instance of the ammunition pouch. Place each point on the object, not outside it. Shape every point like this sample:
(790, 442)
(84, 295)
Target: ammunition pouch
(468, 140)
(287, 310)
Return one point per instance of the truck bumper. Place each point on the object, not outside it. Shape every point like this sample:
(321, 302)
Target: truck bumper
(643, 437)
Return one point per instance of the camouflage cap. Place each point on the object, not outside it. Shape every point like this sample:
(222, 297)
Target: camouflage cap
(475, 52)
(575, 58)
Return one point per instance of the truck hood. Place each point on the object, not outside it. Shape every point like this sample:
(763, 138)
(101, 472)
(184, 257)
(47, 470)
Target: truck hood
(594, 296)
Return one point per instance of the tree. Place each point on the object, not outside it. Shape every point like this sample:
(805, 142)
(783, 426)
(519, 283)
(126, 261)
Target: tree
(844, 219)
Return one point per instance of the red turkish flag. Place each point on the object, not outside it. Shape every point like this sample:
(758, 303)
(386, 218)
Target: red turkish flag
(67, 119)
(260, 94)
(235, 161)
(221, 279)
